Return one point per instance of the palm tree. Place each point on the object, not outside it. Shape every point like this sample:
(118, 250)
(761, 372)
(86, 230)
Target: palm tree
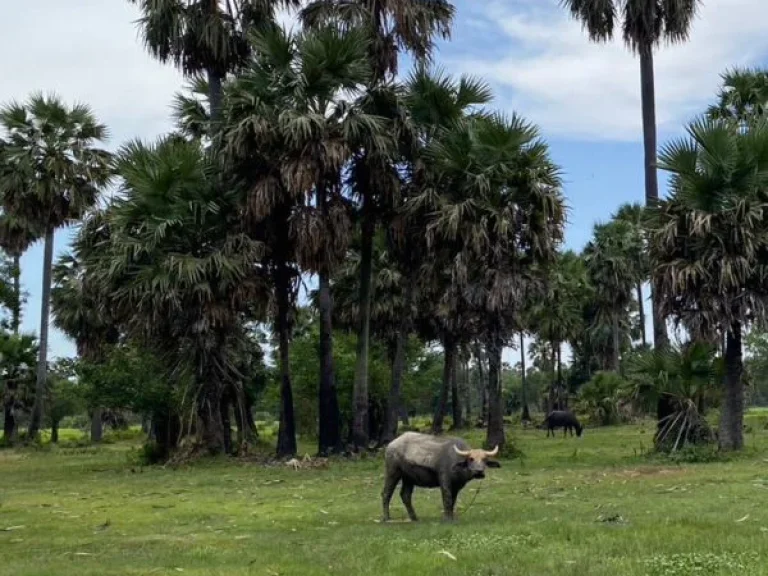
(743, 96)
(179, 270)
(79, 309)
(253, 151)
(17, 360)
(637, 252)
(204, 36)
(433, 101)
(391, 25)
(644, 25)
(557, 316)
(288, 137)
(500, 213)
(687, 377)
(709, 241)
(55, 175)
(16, 235)
(391, 305)
(610, 271)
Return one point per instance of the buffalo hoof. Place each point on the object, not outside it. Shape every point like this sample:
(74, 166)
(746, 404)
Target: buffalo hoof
(385, 519)
(448, 519)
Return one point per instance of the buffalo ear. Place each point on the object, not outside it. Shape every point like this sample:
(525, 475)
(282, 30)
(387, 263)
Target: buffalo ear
(492, 464)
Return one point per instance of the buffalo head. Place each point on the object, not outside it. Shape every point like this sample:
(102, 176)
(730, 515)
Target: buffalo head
(477, 460)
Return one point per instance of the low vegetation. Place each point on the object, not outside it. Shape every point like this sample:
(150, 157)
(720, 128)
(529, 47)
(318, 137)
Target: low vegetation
(600, 505)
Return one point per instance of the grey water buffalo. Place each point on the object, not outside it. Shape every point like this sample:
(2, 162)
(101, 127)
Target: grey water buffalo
(562, 419)
(431, 462)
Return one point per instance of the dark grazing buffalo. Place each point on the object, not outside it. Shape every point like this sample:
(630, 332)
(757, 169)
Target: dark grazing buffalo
(431, 462)
(562, 419)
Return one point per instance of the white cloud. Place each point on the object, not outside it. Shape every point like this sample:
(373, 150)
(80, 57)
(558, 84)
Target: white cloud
(571, 87)
(88, 51)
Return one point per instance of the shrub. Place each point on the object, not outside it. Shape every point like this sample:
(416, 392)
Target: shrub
(604, 399)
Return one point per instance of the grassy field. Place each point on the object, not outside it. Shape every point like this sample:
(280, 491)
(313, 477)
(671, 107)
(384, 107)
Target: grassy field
(597, 506)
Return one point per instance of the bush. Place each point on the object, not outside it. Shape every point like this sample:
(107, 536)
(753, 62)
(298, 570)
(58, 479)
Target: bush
(604, 399)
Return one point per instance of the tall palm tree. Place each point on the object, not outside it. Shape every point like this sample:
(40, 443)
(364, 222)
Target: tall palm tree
(253, 151)
(433, 101)
(709, 241)
(644, 25)
(179, 270)
(556, 317)
(501, 213)
(288, 130)
(204, 36)
(637, 252)
(79, 310)
(391, 305)
(611, 274)
(56, 174)
(391, 25)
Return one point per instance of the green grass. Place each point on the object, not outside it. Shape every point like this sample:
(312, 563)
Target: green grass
(596, 506)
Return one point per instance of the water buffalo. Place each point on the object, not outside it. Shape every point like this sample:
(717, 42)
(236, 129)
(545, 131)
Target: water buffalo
(431, 462)
(562, 419)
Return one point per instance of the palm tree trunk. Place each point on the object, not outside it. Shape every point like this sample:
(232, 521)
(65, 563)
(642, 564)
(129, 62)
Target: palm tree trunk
(641, 310)
(562, 400)
(246, 428)
(552, 405)
(455, 398)
(394, 404)
(723, 342)
(360, 391)
(329, 439)
(16, 310)
(732, 418)
(615, 349)
(42, 362)
(483, 385)
(524, 388)
(214, 95)
(467, 394)
(449, 350)
(286, 435)
(495, 432)
(210, 430)
(97, 427)
(9, 412)
(648, 99)
(226, 425)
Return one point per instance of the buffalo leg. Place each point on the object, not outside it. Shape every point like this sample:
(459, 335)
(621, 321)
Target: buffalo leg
(448, 503)
(406, 492)
(565, 431)
(390, 483)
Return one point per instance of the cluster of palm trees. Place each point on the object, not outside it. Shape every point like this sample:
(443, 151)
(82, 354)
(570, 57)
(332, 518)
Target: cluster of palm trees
(703, 248)
(418, 210)
(295, 153)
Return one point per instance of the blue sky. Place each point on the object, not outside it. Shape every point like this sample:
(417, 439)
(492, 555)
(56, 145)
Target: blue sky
(585, 98)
